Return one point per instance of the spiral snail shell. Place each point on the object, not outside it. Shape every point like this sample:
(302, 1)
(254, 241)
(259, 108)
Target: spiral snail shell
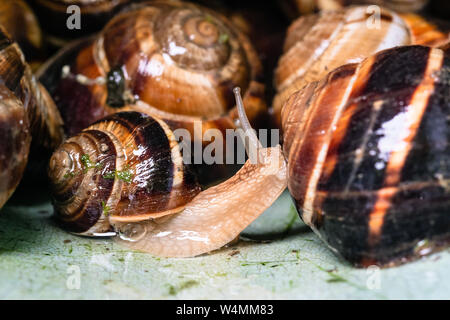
(368, 155)
(175, 61)
(125, 174)
(55, 16)
(317, 44)
(128, 162)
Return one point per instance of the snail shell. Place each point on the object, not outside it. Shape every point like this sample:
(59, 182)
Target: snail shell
(54, 15)
(89, 202)
(126, 167)
(15, 146)
(43, 119)
(369, 155)
(175, 61)
(317, 44)
(21, 23)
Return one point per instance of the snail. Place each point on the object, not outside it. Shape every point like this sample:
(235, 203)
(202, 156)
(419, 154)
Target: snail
(317, 44)
(125, 175)
(26, 110)
(22, 25)
(176, 61)
(43, 123)
(59, 20)
(309, 6)
(368, 155)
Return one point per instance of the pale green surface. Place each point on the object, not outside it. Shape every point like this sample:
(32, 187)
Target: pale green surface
(35, 256)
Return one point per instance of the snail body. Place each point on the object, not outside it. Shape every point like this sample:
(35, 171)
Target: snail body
(175, 61)
(368, 155)
(125, 175)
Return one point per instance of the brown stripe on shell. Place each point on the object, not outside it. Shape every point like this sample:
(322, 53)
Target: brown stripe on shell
(310, 152)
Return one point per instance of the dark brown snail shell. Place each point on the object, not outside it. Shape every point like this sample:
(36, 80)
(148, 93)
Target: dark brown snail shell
(368, 155)
(176, 61)
(43, 120)
(126, 167)
(15, 145)
(22, 25)
(94, 15)
(125, 174)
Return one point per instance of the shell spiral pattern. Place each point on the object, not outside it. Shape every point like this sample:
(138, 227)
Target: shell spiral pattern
(179, 59)
(127, 167)
(369, 155)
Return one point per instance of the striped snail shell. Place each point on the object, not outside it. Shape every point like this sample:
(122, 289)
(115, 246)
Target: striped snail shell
(317, 44)
(43, 121)
(368, 155)
(175, 61)
(55, 16)
(127, 162)
(125, 174)
(21, 23)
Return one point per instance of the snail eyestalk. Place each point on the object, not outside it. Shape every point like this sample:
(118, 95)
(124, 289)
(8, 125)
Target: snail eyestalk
(250, 140)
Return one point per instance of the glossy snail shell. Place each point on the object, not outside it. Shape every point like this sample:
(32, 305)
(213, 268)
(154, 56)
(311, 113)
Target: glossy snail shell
(43, 120)
(22, 25)
(176, 61)
(126, 167)
(54, 15)
(15, 146)
(368, 155)
(124, 172)
(317, 44)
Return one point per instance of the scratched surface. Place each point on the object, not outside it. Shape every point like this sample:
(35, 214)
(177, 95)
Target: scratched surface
(278, 258)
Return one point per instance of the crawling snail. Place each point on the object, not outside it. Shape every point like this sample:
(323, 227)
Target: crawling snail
(310, 6)
(26, 111)
(55, 15)
(368, 155)
(125, 174)
(21, 23)
(176, 61)
(317, 44)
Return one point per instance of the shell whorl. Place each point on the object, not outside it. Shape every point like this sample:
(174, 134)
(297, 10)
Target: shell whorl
(124, 168)
(179, 58)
